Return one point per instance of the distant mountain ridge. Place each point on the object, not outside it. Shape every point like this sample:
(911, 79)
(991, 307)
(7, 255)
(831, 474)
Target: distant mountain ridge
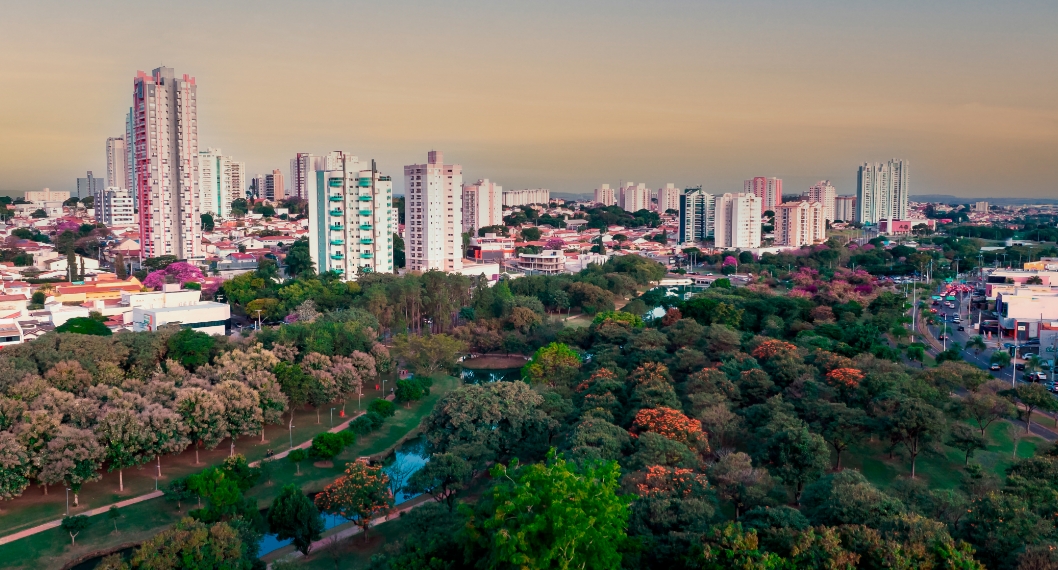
(949, 199)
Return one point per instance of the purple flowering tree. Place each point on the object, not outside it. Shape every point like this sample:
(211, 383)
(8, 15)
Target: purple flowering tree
(180, 272)
(555, 243)
(730, 260)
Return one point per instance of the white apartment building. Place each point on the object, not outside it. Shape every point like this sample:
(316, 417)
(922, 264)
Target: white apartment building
(737, 221)
(433, 214)
(482, 205)
(117, 163)
(351, 222)
(273, 186)
(114, 207)
(635, 197)
(845, 208)
(167, 180)
(769, 190)
(697, 216)
(824, 193)
(46, 195)
(547, 262)
(216, 188)
(605, 195)
(130, 152)
(800, 223)
(526, 197)
(668, 198)
(981, 207)
(303, 169)
(238, 186)
(882, 191)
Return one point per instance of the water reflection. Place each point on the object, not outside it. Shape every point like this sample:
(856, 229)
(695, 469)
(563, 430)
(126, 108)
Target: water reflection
(483, 376)
(399, 467)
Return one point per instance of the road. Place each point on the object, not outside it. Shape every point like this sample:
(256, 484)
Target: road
(981, 360)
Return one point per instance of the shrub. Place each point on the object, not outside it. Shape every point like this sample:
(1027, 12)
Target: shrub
(382, 407)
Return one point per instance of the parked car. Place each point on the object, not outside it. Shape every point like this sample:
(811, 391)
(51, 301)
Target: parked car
(1019, 366)
(995, 366)
(961, 328)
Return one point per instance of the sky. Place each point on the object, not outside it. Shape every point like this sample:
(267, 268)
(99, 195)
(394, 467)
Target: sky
(564, 95)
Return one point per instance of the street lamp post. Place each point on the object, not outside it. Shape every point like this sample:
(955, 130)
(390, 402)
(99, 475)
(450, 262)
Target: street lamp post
(67, 501)
(291, 435)
(1013, 365)
(332, 417)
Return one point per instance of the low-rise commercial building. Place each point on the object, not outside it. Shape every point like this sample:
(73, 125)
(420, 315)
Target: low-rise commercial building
(204, 316)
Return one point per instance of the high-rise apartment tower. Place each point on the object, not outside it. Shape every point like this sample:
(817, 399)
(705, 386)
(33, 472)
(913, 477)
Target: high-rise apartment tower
(881, 191)
(433, 214)
(165, 125)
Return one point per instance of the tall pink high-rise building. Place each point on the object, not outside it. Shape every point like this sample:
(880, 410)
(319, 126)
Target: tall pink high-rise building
(165, 131)
(433, 220)
(769, 190)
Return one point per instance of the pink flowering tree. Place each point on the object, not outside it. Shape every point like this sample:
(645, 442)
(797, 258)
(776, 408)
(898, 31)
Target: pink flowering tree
(67, 225)
(555, 243)
(730, 260)
(180, 272)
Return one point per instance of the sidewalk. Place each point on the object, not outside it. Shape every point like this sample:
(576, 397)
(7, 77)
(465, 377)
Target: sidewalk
(155, 494)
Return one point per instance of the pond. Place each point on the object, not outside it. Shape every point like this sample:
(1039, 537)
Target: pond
(485, 376)
(399, 466)
(669, 296)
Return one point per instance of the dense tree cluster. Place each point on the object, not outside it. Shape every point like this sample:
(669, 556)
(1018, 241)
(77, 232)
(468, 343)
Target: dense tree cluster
(74, 404)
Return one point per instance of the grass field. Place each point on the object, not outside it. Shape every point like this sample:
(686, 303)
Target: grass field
(50, 549)
(941, 470)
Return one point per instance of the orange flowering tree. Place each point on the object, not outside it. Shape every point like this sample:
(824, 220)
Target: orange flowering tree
(360, 495)
(671, 424)
(844, 377)
(772, 348)
(669, 481)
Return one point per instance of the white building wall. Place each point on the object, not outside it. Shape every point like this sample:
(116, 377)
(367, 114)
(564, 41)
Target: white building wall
(605, 195)
(669, 198)
(635, 197)
(526, 197)
(482, 205)
(433, 214)
(351, 219)
(824, 193)
(737, 222)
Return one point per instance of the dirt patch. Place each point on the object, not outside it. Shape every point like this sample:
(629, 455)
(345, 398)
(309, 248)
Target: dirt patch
(324, 464)
(494, 362)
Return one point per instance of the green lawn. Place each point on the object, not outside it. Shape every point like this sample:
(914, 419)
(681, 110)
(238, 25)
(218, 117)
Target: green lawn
(52, 548)
(942, 470)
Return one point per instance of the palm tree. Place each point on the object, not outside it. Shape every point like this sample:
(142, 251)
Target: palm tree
(977, 343)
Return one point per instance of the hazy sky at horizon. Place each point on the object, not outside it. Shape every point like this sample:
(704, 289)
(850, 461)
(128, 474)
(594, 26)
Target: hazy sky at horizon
(560, 95)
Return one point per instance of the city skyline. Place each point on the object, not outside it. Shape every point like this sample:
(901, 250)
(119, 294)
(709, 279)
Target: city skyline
(560, 100)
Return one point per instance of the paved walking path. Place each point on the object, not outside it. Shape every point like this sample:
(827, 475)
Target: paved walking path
(155, 494)
(91, 513)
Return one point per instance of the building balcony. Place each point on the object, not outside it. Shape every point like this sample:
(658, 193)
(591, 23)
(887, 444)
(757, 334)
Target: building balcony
(336, 227)
(335, 182)
(336, 198)
(336, 212)
(337, 242)
(365, 212)
(365, 226)
(337, 256)
(364, 183)
(365, 198)
(366, 255)
(367, 241)
(384, 178)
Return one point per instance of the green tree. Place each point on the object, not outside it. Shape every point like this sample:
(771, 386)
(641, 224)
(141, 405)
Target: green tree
(84, 325)
(190, 348)
(113, 514)
(299, 260)
(530, 234)
(798, 456)
(207, 222)
(1032, 397)
(75, 525)
(977, 344)
(296, 456)
(983, 408)
(120, 269)
(14, 466)
(193, 544)
(555, 365)
(294, 516)
(1000, 357)
(126, 441)
(553, 515)
(966, 439)
(443, 476)
(731, 547)
(840, 425)
(914, 424)
(428, 354)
